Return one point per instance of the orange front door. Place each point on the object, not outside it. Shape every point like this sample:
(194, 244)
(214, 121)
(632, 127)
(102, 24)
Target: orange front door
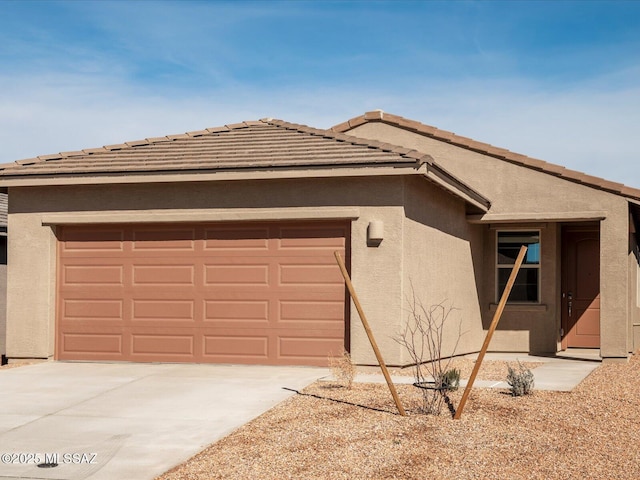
(581, 288)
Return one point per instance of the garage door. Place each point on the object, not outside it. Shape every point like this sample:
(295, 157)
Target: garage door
(268, 293)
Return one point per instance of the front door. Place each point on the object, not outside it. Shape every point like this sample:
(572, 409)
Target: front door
(581, 288)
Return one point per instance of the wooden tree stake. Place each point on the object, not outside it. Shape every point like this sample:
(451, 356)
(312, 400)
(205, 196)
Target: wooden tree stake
(492, 328)
(372, 340)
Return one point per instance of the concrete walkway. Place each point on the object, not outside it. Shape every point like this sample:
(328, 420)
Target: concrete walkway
(125, 420)
(560, 374)
(136, 421)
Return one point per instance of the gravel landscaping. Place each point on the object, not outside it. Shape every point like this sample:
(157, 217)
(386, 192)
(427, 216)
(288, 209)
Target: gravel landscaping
(330, 432)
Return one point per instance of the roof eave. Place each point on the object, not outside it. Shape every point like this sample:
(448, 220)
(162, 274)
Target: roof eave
(440, 176)
(101, 178)
(489, 150)
(422, 166)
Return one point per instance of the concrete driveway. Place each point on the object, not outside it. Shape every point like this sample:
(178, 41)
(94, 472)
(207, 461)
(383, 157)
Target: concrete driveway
(104, 421)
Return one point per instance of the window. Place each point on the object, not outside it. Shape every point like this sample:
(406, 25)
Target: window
(526, 289)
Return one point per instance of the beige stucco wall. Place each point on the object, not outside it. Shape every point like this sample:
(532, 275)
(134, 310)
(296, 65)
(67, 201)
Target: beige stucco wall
(439, 264)
(634, 288)
(379, 273)
(516, 192)
(3, 308)
(30, 293)
(532, 328)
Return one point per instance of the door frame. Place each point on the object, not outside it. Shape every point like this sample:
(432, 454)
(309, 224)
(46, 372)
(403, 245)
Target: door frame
(587, 228)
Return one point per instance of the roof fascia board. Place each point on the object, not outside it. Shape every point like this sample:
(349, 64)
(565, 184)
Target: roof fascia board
(537, 217)
(177, 177)
(442, 177)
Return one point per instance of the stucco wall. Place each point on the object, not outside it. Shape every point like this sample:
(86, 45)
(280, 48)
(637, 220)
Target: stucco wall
(378, 272)
(30, 296)
(516, 191)
(439, 264)
(531, 328)
(3, 308)
(634, 288)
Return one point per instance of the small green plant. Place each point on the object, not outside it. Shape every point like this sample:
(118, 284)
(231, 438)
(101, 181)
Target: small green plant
(520, 380)
(450, 380)
(343, 368)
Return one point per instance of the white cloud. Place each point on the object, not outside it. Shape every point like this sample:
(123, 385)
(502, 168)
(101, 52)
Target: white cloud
(589, 129)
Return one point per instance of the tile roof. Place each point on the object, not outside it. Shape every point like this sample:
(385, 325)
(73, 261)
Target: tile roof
(264, 144)
(484, 148)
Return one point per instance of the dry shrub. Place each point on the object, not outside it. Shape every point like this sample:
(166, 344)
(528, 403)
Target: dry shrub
(342, 368)
(423, 338)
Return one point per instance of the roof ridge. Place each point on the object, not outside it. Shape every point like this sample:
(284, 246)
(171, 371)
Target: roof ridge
(137, 143)
(413, 154)
(420, 157)
(487, 149)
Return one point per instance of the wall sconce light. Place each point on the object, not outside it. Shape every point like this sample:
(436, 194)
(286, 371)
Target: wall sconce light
(375, 233)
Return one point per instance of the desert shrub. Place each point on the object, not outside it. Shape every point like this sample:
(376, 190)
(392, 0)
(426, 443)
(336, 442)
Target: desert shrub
(450, 380)
(423, 338)
(520, 381)
(342, 368)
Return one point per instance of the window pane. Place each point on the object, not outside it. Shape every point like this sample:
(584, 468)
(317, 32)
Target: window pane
(509, 244)
(525, 288)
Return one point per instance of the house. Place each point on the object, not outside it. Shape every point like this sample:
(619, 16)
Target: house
(218, 246)
(581, 286)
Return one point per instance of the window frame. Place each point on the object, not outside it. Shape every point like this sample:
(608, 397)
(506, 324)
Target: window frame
(498, 266)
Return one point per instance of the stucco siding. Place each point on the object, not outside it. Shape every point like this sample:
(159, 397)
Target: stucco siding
(526, 327)
(614, 283)
(634, 291)
(30, 278)
(3, 309)
(439, 264)
(519, 192)
(511, 188)
(377, 278)
(377, 272)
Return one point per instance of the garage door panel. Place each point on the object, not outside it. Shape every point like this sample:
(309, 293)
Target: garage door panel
(235, 293)
(89, 341)
(164, 275)
(163, 310)
(92, 308)
(309, 274)
(293, 246)
(302, 311)
(164, 239)
(237, 274)
(311, 292)
(92, 275)
(315, 234)
(161, 345)
(313, 349)
(98, 346)
(92, 292)
(90, 239)
(228, 241)
(226, 346)
(236, 311)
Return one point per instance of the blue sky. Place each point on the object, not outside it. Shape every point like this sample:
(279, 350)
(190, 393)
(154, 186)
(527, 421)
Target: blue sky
(558, 81)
